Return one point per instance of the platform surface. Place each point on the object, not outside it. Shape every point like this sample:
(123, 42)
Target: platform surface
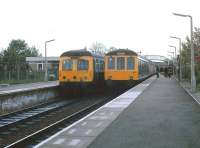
(162, 115)
(26, 87)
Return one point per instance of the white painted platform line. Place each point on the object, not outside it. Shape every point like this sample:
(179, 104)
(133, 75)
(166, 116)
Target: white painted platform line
(107, 113)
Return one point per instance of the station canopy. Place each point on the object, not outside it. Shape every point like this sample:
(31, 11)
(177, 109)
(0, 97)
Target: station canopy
(157, 59)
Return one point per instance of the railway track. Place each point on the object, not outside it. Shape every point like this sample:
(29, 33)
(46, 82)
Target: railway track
(15, 123)
(20, 116)
(31, 126)
(45, 132)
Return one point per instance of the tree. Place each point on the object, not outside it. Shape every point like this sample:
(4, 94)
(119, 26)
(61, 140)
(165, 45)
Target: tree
(186, 55)
(98, 48)
(1, 55)
(19, 50)
(14, 57)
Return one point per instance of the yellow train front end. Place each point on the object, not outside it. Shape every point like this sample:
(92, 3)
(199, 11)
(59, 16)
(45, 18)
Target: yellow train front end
(75, 70)
(121, 68)
(123, 73)
(80, 71)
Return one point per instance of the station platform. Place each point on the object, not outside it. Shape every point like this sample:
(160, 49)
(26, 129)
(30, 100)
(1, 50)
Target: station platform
(26, 87)
(157, 113)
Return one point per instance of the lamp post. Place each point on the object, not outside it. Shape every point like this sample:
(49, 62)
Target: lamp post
(172, 61)
(175, 59)
(193, 78)
(174, 49)
(180, 57)
(45, 75)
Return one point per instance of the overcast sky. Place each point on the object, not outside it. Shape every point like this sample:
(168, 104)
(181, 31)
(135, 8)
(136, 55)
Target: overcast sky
(142, 25)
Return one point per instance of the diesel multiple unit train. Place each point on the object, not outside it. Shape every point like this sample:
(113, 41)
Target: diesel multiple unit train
(124, 66)
(81, 68)
(84, 68)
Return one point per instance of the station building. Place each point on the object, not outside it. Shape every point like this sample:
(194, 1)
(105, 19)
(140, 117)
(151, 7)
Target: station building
(37, 64)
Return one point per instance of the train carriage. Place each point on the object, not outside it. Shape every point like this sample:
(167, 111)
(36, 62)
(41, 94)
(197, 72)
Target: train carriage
(81, 68)
(124, 66)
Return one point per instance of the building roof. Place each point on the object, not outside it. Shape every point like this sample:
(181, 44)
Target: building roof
(41, 59)
(156, 58)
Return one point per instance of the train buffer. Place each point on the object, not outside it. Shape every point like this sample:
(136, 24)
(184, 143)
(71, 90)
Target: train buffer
(157, 113)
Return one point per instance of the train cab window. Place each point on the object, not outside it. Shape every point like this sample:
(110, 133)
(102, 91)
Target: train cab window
(111, 63)
(83, 64)
(130, 63)
(67, 64)
(120, 63)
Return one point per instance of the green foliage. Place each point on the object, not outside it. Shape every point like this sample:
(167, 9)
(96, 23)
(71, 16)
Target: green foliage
(13, 60)
(98, 48)
(19, 50)
(186, 55)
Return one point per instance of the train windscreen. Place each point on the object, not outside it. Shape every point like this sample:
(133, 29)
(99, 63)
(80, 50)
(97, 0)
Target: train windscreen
(83, 64)
(111, 63)
(120, 63)
(130, 63)
(67, 64)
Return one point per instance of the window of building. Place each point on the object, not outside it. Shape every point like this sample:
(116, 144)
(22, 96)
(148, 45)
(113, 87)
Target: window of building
(83, 64)
(40, 67)
(111, 63)
(130, 63)
(120, 63)
(67, 64)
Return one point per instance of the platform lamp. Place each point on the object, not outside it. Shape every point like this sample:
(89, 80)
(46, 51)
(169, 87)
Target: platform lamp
(179, 39)
(172, 61)
(45, 75)
(193, 78)
(174, 49)
(175, 56)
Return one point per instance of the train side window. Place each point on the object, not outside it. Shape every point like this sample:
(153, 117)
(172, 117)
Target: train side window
(140, 66)
(130, 63)
(83, 64)
(120, 63)
(67, 64)
(111, 63)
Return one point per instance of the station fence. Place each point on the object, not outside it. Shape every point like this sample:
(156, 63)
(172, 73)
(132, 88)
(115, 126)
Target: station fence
(12, 73)
(186, 74)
